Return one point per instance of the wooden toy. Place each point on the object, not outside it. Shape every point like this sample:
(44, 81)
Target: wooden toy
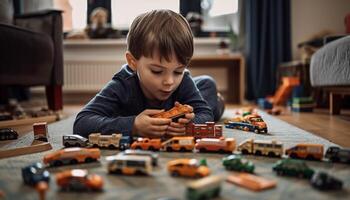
(74, 141)
(251, 122)
(324, 181)
(337, 154)
(237, 163)
(187, 168)
(269, 148)
(107, 141)
(179, 144)
(72, 156)
(34, 148)
(207, 130)
(251, 182)
(40, 131)
(292, 167)
(129, 165)
(177, 111)
(147, 144)
(221, 145)
(138, 152)
(35, 173)
(8, 134)
(204, 188)
(79, 180)
(306, 151)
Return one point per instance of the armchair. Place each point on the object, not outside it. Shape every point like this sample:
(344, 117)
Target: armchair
(31, 53)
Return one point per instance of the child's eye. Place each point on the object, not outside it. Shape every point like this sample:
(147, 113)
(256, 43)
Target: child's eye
(156, 72)
(178, 73)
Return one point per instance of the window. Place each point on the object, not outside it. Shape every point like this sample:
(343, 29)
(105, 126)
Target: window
(125, 11)
(219, 15)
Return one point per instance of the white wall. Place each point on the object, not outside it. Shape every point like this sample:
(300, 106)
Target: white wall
(312, 16)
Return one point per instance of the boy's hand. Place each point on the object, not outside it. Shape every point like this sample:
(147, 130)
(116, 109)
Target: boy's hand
(178, 128)
(147, 126)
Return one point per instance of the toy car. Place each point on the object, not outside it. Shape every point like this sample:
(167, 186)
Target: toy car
(204, 188)
(78, 179)
(106, 141)
(179, 144)
(129, 164)
(337, 154)
(138, 152)
(125, 142)
(306, 151)
(188, 168)
(237, 163)
(252, 122)
(147, 144)
(5, 116)
(271, 148)
(221, 145)
(177, 111)
(323, 181)
(8, 134)
(291, 167)
(74, 141)
(72, 155)
(35, 173)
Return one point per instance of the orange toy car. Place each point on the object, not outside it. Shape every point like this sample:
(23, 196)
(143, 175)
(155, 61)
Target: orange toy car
(72, 156)
(221, 145)
(187, 167)
(179, 144)
(147, 144)
(79, 179)
(306, 151)
(177, 111)
(251, 182)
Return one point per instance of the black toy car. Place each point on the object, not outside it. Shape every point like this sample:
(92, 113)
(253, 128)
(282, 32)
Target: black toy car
(323, 181)
(125, 142)
(337, 154)
(35, 173)
(8, 134)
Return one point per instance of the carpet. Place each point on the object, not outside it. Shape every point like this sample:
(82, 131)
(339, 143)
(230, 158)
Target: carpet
(160, 184)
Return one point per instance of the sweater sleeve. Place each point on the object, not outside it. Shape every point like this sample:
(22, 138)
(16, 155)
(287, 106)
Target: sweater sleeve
(103, 113)
(189, 94)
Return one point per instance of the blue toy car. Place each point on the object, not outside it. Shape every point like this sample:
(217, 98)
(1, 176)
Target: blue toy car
(35, 173)
(125, 142)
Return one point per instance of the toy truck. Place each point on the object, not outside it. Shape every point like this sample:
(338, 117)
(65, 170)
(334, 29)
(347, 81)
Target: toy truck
(207, 130)
(107, 141)
(179, 144)
(253, 123)
(270, 148)
(306, 151)
(221, 145)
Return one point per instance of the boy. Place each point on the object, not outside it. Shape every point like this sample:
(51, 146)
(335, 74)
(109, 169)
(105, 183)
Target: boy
(159, 47)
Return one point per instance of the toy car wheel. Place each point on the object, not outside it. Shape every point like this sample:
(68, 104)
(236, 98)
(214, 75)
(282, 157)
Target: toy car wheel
(258, 153)
(73, 161)
(244, 151)
(271, 154)
(293, 155)
(310, 157)
(256, 131)
(67, 144)
(202, 150)
(279, 172)
(151, 148)
(138, 147)
(77, 145)
(57, 163)
(175, 173)
(183, 149)
(87, 160)
(169, 149)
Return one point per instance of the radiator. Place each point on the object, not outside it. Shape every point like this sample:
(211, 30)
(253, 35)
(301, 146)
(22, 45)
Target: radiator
(88, 76)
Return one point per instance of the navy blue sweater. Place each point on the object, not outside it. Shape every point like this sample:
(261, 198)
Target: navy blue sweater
(115, 107)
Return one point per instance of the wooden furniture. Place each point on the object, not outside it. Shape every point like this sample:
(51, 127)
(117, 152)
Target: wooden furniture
(336, 95)
(234, 65)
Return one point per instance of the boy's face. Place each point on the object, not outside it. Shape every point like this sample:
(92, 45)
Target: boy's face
(158, 79)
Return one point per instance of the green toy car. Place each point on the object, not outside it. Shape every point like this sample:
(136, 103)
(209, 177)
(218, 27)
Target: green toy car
(237, 163)
(292, 167)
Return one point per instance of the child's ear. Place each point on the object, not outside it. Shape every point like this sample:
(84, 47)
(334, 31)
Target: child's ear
(131, 60)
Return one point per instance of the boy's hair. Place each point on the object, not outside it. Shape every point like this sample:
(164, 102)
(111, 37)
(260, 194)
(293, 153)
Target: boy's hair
(161, 31)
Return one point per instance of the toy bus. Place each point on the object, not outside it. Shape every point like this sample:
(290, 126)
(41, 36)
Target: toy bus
(129, 164)
(107, 141)
(207, 130)
(270, 148)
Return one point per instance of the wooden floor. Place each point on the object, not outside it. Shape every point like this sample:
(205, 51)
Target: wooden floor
(334, 128)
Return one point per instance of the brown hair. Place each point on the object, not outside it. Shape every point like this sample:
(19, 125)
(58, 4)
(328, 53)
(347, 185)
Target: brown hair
(161, 31)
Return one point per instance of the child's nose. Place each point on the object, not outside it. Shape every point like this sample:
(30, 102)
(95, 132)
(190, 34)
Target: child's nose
(169, 80)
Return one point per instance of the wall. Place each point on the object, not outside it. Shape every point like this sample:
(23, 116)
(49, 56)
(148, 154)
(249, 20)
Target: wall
(312, 16)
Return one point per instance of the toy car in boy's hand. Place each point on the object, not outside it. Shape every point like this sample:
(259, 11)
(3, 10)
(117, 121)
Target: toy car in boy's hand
(176, 112)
